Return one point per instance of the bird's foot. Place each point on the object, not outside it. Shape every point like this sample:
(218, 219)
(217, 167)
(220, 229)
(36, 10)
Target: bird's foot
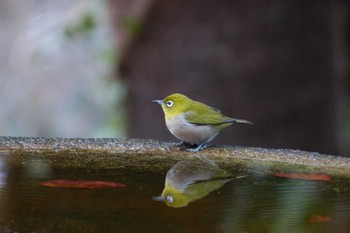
(185, 145)
(200, 147)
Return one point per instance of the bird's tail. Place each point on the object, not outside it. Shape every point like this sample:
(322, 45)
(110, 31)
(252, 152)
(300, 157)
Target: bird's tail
(234, 120)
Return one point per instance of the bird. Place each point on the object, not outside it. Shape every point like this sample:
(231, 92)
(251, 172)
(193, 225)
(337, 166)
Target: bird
(193, 122)
(192, 179)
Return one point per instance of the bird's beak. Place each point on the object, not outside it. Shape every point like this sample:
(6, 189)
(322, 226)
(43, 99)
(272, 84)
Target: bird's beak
(158, 198)
(158, 101)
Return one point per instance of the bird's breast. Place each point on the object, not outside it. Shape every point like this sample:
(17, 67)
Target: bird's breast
(190, 133)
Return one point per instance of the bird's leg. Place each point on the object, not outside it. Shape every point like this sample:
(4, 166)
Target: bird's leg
(200, 147)
(182, 143)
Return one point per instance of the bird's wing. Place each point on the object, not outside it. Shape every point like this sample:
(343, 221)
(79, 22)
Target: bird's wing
(205, 115)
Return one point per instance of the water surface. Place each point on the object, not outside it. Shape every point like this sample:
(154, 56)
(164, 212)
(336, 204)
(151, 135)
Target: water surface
(252, 204)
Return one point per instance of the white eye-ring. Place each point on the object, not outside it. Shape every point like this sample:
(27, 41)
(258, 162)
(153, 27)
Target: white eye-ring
(169, 199)
(169, 103)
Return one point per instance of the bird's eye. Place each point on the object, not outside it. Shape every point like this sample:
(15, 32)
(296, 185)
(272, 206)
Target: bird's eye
(169, 199)
(169, 103)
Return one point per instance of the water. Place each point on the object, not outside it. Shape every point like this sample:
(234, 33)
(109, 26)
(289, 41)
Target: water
(252, 204)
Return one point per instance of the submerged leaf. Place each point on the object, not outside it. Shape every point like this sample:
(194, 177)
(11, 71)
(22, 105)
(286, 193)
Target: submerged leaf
(304, 176)
(82, 184)
(319, 219)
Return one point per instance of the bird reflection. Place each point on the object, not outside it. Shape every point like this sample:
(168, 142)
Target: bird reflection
(190, 180)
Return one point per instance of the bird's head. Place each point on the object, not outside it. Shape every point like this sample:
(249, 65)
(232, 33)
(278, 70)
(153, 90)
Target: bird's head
(174, 104)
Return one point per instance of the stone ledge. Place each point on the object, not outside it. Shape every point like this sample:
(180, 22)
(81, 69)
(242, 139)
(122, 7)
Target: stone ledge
(153, 155)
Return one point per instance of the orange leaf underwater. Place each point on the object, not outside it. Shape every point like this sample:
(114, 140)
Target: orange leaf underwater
(82, 184)
(319, 219)
(304, 176)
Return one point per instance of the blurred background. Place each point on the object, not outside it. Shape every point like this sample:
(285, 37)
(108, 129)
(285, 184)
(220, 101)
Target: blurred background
(56, 70)
(91, 68)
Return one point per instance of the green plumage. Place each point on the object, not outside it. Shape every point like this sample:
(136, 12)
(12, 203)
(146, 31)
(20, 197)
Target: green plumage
(192, 121)
(202, 114)
(193, 179)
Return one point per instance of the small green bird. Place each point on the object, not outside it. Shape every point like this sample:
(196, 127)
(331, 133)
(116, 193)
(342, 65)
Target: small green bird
(192, 179)
(193, 122)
